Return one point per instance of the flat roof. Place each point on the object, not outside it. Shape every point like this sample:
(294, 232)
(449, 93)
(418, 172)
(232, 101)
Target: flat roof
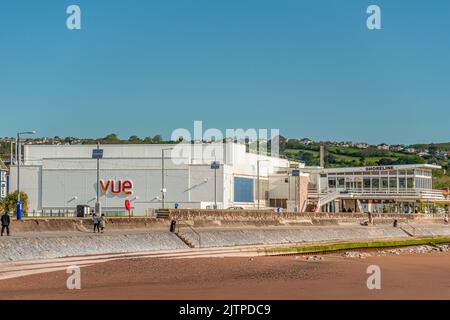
(373, 168)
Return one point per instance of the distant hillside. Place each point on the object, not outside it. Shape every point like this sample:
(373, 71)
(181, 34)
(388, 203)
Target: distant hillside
(304, 150)
(445, 146)
(351, 156)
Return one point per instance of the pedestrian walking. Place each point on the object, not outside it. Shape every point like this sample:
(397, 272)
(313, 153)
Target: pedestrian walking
(5, 223)
(96, 220)
(102, 222)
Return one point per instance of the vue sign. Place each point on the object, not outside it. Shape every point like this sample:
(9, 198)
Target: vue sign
(117, 187)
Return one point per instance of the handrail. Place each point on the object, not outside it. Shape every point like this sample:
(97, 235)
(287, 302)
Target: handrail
(192, 229)
(413, 228)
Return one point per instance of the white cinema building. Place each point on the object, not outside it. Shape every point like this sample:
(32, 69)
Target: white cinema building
(58, 178)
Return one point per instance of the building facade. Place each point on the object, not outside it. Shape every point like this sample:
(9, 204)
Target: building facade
(58, 178)
(398, 188)
(3, 180)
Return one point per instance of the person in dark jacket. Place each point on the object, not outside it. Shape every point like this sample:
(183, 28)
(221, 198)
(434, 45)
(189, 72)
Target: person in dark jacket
(5, 223)
(96, 220)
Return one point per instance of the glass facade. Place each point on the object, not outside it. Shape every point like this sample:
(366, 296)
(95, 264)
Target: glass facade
(382, 180)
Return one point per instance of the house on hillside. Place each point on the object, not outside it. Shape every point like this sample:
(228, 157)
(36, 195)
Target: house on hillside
(410, 150)
(396, 147)
(424, 153)
(306, 141)
(345, 144)
(361, 145)
(440, 154)
(383, 146)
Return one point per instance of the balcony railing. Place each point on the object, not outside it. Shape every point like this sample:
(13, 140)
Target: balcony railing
(419, 193)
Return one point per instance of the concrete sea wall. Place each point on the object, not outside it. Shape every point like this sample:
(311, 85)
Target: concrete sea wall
(283, 235)
(47, 246)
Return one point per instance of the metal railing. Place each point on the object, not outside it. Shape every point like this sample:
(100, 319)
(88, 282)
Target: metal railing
(177, 232)
(430, 194)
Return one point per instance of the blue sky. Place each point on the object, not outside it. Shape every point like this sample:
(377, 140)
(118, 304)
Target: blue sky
(310, 68)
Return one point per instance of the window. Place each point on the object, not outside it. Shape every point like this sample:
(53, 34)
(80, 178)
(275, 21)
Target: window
(393, 183)
(410, 183)
(331, 183)
(376, 183)
(243, 189)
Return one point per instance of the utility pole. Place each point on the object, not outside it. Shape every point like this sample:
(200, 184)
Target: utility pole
(98, 154)
(19, 205)
(257, 182)
(258, 186)
(215, 165)
(97, 206)
(18, 158)
(296, 174)
(163, 186)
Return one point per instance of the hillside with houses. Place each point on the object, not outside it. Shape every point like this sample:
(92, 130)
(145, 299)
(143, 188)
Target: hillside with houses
(337, 153)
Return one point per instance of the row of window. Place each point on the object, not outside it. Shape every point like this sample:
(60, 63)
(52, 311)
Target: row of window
(382, 182)
(427, 173)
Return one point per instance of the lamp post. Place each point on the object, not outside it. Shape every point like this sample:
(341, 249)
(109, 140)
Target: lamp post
(296, 174)
(257, 186)
(97, 154)
(215, 165)
(163, 187)
(18, 156)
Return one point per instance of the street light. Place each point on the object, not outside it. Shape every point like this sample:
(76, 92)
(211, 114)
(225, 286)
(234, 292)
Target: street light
(18, 156)
(97, 154)
(257, 186)
(163, 188)
(296, 173)
(215, 165)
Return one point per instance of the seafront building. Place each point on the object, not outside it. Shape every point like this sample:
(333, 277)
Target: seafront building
(58, 178)
(397, 188)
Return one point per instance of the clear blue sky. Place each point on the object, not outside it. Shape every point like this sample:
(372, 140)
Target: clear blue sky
(310, 68)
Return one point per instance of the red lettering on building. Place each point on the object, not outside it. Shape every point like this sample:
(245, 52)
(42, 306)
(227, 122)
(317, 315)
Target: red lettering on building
(127, 187)
(103, 186)
(117, 187)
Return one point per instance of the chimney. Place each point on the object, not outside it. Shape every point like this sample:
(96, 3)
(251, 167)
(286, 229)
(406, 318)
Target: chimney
(322, 156)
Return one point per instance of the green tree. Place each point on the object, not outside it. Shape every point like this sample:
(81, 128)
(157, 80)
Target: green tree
(157, 139)
(9, 204)
(134, 139)
(111, 137)
(386, 162)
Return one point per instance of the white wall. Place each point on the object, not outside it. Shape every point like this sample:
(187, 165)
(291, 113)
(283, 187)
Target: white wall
(30, 183)
(69, 176)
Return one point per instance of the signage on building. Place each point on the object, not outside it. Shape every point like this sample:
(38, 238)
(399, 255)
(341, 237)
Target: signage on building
(117, 187)
(295, 173)
(97, 154)
(379, 168)
(215, 165)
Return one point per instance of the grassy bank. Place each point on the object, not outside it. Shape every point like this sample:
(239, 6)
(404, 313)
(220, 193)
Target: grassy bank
(357, 245)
